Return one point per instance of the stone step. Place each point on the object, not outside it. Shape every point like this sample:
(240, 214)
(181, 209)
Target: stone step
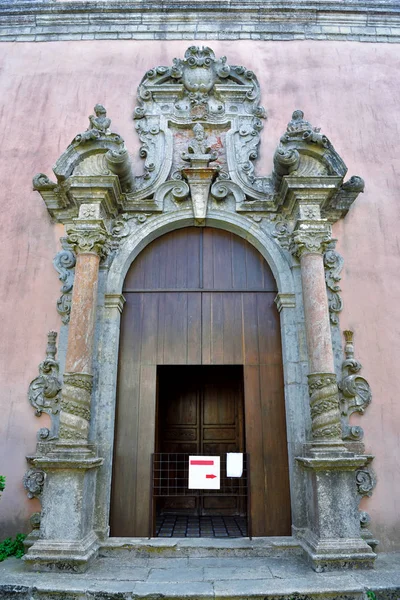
(207, 578)
(200, 547)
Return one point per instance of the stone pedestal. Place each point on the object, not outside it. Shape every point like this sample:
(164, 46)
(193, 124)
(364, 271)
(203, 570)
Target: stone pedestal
(332, 539)
(67, 541)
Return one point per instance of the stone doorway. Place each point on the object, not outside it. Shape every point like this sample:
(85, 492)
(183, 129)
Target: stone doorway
(201, 298)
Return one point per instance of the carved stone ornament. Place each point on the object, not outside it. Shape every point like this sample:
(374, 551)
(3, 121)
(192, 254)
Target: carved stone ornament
(34, 520)
(199, 153)
(200, 106)
(366, 481)
(324, 404)
(64, 263)
(310, 240)
(44, 390)
(365, 521)
(33, 481)
(75, 406)
(88, 236)
(99, 127)
(355, 392)
(333, 263)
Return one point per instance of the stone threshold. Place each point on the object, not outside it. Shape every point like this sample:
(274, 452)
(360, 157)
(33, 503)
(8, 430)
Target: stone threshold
(201, 547)
(234, 577)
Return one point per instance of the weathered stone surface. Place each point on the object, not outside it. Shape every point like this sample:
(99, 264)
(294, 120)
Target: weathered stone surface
(190, 20)
(44, 390)
(289, 578)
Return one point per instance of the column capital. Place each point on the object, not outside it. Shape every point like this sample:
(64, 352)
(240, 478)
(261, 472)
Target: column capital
(310, 237)
(88, 236)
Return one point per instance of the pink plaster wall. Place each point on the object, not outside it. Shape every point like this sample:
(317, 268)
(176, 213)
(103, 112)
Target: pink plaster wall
(350, 89)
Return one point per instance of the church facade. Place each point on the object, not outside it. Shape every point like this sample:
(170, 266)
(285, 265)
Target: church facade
(224, 233)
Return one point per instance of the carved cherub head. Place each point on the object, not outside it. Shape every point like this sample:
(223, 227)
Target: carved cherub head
(100, 110)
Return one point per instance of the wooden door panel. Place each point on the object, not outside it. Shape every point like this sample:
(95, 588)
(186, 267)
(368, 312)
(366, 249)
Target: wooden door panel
(222, 312)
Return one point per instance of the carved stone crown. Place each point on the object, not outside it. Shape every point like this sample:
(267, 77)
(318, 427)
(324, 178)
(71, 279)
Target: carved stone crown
(224, 101)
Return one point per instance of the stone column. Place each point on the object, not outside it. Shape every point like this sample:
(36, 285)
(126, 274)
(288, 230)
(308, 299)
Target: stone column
(88, 238)
(310, 239)
(332, 536)
(67, 538)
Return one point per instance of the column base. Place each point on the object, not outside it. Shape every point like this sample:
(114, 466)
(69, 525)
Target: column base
(330, 554)
(332, 538)
(67, 541)
(62, 555)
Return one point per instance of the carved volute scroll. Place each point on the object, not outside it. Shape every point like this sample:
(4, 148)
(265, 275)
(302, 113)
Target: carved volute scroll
(333, 262)
(355, 392)
(64, 263)
(44, 390)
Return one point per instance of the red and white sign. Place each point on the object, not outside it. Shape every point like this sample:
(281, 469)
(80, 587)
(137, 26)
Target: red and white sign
(204, 473)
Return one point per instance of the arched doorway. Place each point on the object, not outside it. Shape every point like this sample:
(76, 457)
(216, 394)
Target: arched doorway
(200, 297)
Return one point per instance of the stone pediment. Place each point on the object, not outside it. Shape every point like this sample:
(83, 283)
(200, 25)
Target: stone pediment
(225, 101)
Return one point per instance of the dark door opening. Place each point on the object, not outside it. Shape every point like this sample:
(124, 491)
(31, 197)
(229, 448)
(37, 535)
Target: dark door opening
(199, 412)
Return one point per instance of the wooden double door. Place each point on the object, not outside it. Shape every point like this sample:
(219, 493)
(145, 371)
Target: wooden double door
(201, 298)
(200, 413)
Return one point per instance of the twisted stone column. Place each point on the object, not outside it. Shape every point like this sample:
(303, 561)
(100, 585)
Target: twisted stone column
(310, 240)
(88, 237)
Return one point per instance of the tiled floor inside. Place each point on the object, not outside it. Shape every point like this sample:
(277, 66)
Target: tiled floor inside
(181, 526)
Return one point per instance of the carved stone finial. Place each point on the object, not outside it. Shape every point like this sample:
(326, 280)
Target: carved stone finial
(99, 126)
(299, 128)
(44, 390)
(199, 153)
(355, 391)
(349, 347)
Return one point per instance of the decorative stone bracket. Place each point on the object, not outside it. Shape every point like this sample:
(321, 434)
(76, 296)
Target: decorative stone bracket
(44, 391)
(333, 265)
(355, 392)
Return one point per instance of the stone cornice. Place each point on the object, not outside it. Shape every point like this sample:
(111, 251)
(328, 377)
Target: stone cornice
(354, 20)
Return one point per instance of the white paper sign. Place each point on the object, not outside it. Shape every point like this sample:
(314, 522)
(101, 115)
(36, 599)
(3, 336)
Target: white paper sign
(204, 473)
(234, 464)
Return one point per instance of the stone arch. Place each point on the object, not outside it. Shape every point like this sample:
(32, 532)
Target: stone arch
(289, 286)
(241, 226)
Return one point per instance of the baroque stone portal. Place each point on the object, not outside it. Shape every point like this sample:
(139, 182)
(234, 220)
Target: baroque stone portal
(199, 122)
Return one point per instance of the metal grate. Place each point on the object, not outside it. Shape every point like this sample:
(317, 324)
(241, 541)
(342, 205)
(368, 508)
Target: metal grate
(171, 479)
(171, 475)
